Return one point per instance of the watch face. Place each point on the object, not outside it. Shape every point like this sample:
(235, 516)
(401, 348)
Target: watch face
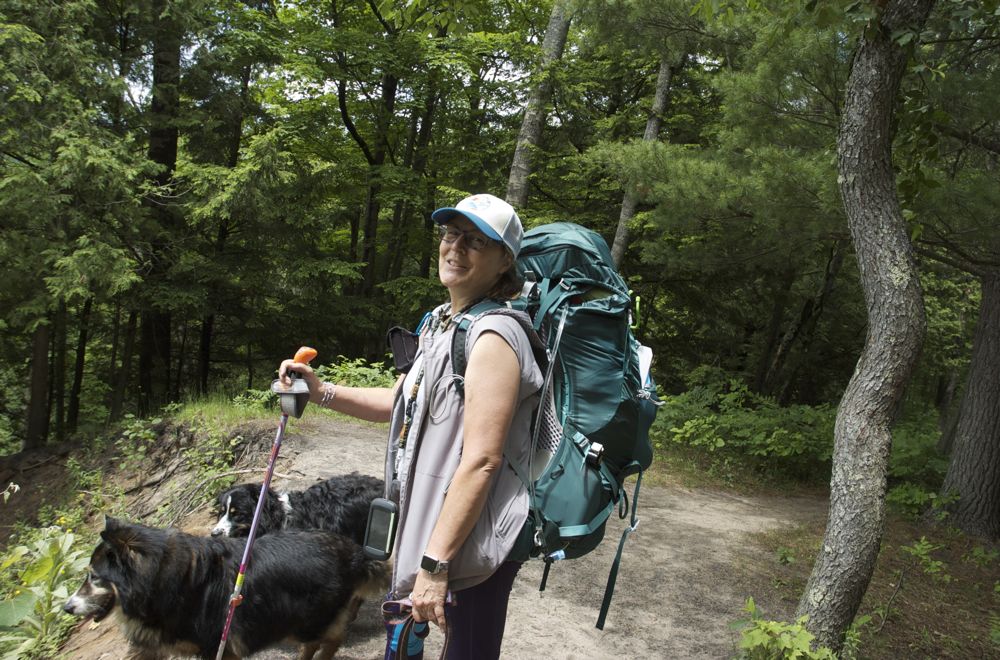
(433, 566)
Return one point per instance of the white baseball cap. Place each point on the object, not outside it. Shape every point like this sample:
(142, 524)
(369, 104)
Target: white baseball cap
(491, 215)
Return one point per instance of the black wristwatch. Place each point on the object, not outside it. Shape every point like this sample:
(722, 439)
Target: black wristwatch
(433, 566)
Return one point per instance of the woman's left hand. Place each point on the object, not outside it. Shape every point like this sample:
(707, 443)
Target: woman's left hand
(429, 593)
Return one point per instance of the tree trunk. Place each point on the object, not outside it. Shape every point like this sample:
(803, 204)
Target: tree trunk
(775, 380)
(38, 402)
(154, 348)
(73, 413)
(222, 234)
(534, 112)
(58, 382)
(896, 327)
(175, 394)
(651, 135)
(121, 382)
(115, 332)
(154, 361)
(974, 470)
(205, 352)
(369, 239)
(781, 295)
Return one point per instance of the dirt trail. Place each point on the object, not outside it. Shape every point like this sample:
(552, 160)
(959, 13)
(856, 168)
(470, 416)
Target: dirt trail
(679, 587)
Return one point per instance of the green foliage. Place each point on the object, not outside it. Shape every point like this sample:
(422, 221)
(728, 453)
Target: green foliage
(39, 574)
(761, 639)
(921, 552)
(212, 453)
(737, 427)
(256, 400)
(358, 373)
(915, 457)
(910, 499)
(982, 557)
(786, 555)
(138, 437)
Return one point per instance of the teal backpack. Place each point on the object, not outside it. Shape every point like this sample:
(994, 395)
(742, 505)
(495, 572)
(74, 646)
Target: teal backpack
(591, 430)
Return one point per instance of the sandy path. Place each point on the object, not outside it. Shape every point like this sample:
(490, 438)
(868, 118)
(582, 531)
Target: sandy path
(678, 588)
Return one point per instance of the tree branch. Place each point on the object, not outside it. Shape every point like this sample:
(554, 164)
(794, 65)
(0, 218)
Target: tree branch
(348, 124)
(969, 138)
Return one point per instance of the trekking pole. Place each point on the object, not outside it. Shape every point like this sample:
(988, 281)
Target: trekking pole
(293, 402)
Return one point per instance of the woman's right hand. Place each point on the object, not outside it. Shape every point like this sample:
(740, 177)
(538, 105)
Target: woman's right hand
(305, 371)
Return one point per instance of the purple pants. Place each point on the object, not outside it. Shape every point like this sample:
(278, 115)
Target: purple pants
(475, 623)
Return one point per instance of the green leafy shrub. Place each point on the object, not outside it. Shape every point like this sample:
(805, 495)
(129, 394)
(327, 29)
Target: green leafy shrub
(137, 438)
(921, 552)
(256, 400)
(721, 416)
(357, 373)
(38, 575)
(910, 499)
(915, 458)
(761, 639)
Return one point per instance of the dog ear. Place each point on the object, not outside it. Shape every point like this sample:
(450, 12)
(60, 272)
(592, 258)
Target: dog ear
(124, 538)
(111, 525)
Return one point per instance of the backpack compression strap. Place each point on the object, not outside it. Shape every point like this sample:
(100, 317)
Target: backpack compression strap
(609, 590)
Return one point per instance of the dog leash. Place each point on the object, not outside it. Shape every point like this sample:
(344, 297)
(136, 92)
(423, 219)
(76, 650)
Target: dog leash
(400, 612)
(294, 406)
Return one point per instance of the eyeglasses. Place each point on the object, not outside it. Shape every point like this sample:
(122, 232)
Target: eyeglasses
(473, 238)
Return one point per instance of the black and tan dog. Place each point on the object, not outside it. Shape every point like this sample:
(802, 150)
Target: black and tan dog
(171, 591)
(339, 504)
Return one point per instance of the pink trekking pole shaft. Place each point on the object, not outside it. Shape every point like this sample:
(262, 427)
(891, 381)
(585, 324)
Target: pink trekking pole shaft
(292, 403)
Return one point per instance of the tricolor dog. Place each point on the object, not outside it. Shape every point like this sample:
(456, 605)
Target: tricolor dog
(170, 591)
(339, 504)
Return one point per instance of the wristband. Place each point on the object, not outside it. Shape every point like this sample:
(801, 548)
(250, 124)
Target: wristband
(329, 392)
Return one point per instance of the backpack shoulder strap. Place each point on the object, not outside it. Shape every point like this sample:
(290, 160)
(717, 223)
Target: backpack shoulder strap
(459, 356)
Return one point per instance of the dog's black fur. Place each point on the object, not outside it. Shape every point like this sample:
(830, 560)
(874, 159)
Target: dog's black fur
(171, 590)
(339, 504)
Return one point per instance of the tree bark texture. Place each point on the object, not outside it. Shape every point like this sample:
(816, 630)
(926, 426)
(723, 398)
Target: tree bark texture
(534, 113)
(974, 470)
(38, 401)
(896, 327)
(652, 133)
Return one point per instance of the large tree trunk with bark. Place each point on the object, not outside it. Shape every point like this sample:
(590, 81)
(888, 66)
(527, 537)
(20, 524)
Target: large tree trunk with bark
(154, 346)
(631, 199)
(534, 112)
(974, 471)
(896, 327)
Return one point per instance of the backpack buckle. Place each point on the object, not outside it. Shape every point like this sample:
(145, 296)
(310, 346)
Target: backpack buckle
(595, 454)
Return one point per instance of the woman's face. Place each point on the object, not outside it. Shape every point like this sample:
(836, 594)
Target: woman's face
(466, 272)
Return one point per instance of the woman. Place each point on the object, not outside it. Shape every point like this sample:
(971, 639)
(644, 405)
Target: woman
(461, 507)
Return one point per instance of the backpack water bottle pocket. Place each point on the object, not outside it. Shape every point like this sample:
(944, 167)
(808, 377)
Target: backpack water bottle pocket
(577, 497)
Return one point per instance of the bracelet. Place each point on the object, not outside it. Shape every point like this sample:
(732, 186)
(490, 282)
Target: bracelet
(329, 392)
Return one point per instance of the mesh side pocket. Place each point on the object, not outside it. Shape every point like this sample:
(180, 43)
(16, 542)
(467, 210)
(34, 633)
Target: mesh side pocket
(550, 433)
